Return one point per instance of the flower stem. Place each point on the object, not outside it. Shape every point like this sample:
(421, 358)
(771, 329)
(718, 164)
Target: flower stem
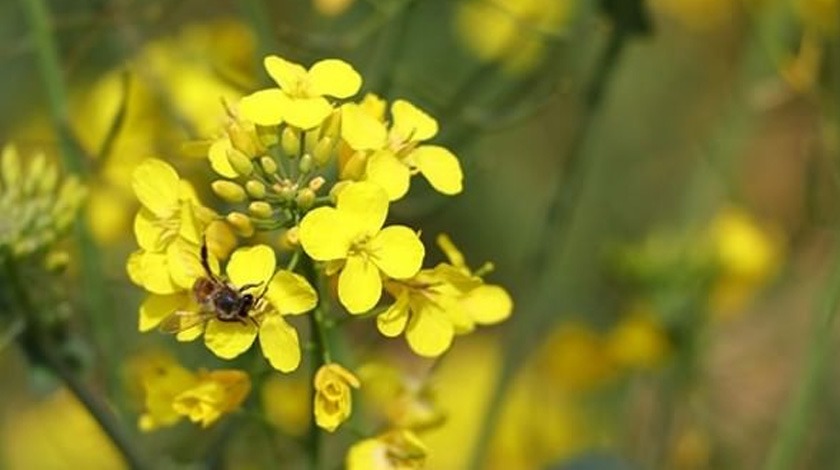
(554, 234)
(800, 410)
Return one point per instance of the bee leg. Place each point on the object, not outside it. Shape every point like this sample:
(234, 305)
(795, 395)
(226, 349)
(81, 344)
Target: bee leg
(254, 321)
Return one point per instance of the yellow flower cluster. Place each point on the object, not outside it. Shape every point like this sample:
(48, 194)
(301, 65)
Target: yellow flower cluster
(36, 205)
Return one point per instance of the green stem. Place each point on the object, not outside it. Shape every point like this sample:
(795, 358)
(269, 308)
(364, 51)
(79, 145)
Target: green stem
(35, 342)
(554, 235)
(801, 408)
(74, 161)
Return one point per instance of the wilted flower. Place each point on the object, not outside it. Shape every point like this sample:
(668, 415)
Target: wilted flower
(333, 400)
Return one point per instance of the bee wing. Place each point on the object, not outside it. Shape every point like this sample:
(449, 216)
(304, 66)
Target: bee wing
(182, 320)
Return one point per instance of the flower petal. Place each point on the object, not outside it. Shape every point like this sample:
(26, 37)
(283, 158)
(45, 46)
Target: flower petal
(155, 183)
(147, 230)
(333, 77)
(184, 263)
(218, 157)
(365, 204)
(279, 343)
(154, 272)
(392, 323)
(324, 234)
(287, 74)
(360, 130)
(157, 307)
(397, 251)
(265, 107)
(412, 123)
(488, 304)
(440, 167)
(291, 294)
(134, 267)
(359, 285)
(229, 339)
(387, 171)
(306, 113)
(251, 265)
(429, 334)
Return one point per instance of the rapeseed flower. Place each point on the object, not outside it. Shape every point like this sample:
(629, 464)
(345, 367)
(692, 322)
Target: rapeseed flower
(393, 450)
(300, 99)
(333, 401)
(390, 156)
(351, 239)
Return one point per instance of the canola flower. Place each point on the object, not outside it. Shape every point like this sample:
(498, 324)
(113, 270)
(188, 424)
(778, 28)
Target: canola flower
(306, 166)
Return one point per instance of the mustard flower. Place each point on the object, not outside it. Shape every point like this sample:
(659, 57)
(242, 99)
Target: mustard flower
(173, 392)
(404, 401)
(285, 293)
(170, 208)
(436, 304)
(394, 450)
(350, 236)
(300, 99)
(36, 205)
(392, 155)
(333, 401)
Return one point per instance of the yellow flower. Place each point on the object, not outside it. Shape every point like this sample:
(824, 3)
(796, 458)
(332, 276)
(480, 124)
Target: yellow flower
(37, 207)
(575, 358)
(287, 403)
(333, 400)
(637, 341)
(436, 304)
(391, 156)
(171, 271)
(285, 293)
(351, 237)
(170, 207)
(213, 394)
(300, 99)
(394, 450)
(173, 392)
(513, 32)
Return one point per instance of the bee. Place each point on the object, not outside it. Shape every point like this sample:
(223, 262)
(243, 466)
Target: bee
(217, 298)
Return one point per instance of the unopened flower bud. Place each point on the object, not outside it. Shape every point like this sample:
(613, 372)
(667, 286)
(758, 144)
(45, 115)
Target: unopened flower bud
(240, 162)
(332, 126)
(305, 198)
(221, 240)
(268, 165)
(242, 138)
(260, 209)
(323, 151)
(306, 163)
(312, 139)
(290, 141)
(255, 189)
(228, 190)
(241, 223)
(290, 239)
(316, 183)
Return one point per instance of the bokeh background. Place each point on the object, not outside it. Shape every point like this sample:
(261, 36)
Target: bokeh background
(656, 183)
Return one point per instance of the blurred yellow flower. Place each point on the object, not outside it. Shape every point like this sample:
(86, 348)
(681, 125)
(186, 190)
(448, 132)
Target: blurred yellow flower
(403, 400)
(333, 401)
(436, 304)
(332, 7)
(394, 450)
(389, 157)
(638, 341)
(747, 255)
(173, 392)
(287, 403)
(575, 358)
(819, 15)
(350, 237)
(37, 206)
(300, 99)
(513, 32)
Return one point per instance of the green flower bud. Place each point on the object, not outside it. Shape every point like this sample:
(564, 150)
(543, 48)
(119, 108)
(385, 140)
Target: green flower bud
(260, 209)
(305, 198)
(255, 189)
(290, 141)
(268, 165)
(306, 163)
(316, 183)
(312, 139)
(228, 190)
(323, 151)
(241, 223)
(240, 162)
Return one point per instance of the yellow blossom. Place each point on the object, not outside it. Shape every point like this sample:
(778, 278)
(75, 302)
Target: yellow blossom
(350, 237)
(404, 401)
(285, 293)
(436, 304)
(394, 450)
(300, 99)
(637, 341)
(287, 403)
(390, 156)
(333, 401)
(576, 359)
